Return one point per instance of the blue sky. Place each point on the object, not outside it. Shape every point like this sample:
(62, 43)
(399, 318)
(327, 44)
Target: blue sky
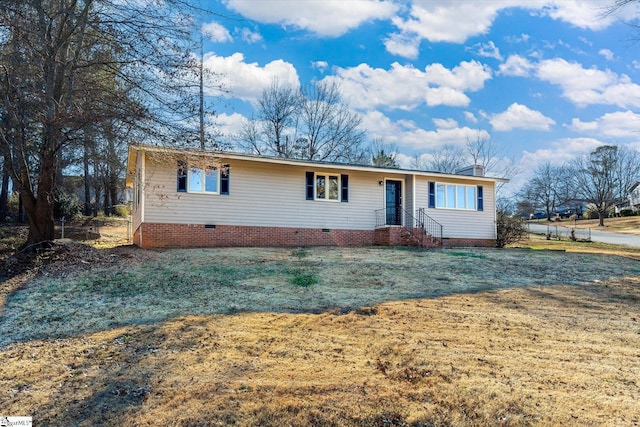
(547, 80)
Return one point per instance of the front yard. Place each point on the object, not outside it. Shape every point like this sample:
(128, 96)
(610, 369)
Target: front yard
(323, 336)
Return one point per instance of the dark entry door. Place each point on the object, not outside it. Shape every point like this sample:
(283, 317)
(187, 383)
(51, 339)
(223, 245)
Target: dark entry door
(393, 201)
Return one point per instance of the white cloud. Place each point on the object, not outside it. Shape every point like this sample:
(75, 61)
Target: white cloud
(405, 87)
(229, 126)
(621, 124)
(407, 134)
(516, 65)
(470, 117)
(519, 116)
(579, 126)
(456, 22)
(608, 55)
(320, 65)
(522, 38)
(584, 86)
(585, 41)
(403, 45)
(246, 81)
(588, 14)
(445, 123)
(448, 22)
(216, 32)
(560, 151)
(325, 18)
(487, 50)
(249, 36)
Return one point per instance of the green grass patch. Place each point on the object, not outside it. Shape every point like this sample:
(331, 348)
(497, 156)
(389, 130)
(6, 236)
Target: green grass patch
(466, 254)
(303, 278)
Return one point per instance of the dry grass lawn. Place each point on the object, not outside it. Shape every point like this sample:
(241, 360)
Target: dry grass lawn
(324, 336)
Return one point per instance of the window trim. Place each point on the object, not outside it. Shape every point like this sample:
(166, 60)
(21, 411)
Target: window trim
(341, 190)
(185, 178)
(439, 194)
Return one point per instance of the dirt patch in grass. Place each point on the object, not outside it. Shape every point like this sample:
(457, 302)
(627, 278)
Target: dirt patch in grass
(324, 336)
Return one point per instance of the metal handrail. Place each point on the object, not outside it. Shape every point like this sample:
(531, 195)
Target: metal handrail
(426, 225)
(430, 226)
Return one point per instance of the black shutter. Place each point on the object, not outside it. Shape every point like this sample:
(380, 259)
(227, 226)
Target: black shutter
(182, 177)
(224, 179)
(344, 182)
(309, 185)
(432, 194)
(480, 198)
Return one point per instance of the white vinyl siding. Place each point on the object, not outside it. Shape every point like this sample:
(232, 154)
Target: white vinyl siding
(460, 223)
(265, 194)
(275, 195)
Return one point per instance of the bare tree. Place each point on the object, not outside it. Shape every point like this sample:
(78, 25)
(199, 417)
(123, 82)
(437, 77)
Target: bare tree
(549, 188)
(70, 63)
(309, 124)
(482, 150)
(328, 130)
(383, 155)
(603, 177)
(447, 159)
(272, 131)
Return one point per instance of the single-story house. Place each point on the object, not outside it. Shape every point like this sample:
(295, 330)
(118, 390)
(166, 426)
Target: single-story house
(634, 195)
(196, 198)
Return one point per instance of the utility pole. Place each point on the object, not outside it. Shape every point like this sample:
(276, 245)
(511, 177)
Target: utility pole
(201, 109)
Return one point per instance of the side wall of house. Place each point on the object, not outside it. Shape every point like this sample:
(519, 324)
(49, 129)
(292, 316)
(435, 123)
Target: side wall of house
(634, 197)
(267, 206)
(263, 194)
(461, 226)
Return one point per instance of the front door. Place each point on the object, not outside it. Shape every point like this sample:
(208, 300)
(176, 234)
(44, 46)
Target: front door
(393, 201)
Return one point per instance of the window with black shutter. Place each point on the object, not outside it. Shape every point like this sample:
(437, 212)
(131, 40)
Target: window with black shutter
(309, 185)
(344, 182)
(182, 176)
(432, 194)
(224, 180)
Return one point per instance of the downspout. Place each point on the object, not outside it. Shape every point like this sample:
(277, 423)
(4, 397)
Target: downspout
(142, 194)
(413, 196)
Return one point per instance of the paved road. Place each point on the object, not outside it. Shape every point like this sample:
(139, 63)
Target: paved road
(581, 233)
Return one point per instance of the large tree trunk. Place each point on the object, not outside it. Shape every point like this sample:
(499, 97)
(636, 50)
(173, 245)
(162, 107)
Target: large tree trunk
(87, 178)
(4, 192)
(39, 208)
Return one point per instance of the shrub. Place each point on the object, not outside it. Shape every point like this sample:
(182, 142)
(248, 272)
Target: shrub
(121, 211)
(66, 205)
(628, 212)
(510, 229)
(591, 214)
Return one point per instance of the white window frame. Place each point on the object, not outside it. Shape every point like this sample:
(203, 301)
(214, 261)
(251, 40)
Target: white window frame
(201, 173)
(327, 179)
(447, 196)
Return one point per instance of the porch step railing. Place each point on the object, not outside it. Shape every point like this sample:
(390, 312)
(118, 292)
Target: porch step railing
(419, 228)
(432, 228)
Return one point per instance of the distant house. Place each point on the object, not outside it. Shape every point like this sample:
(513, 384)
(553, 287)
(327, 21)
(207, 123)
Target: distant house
(634, 195)
(194, 198)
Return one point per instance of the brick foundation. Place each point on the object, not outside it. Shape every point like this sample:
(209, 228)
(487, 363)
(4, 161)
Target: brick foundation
(150, 235)
(199, 235)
